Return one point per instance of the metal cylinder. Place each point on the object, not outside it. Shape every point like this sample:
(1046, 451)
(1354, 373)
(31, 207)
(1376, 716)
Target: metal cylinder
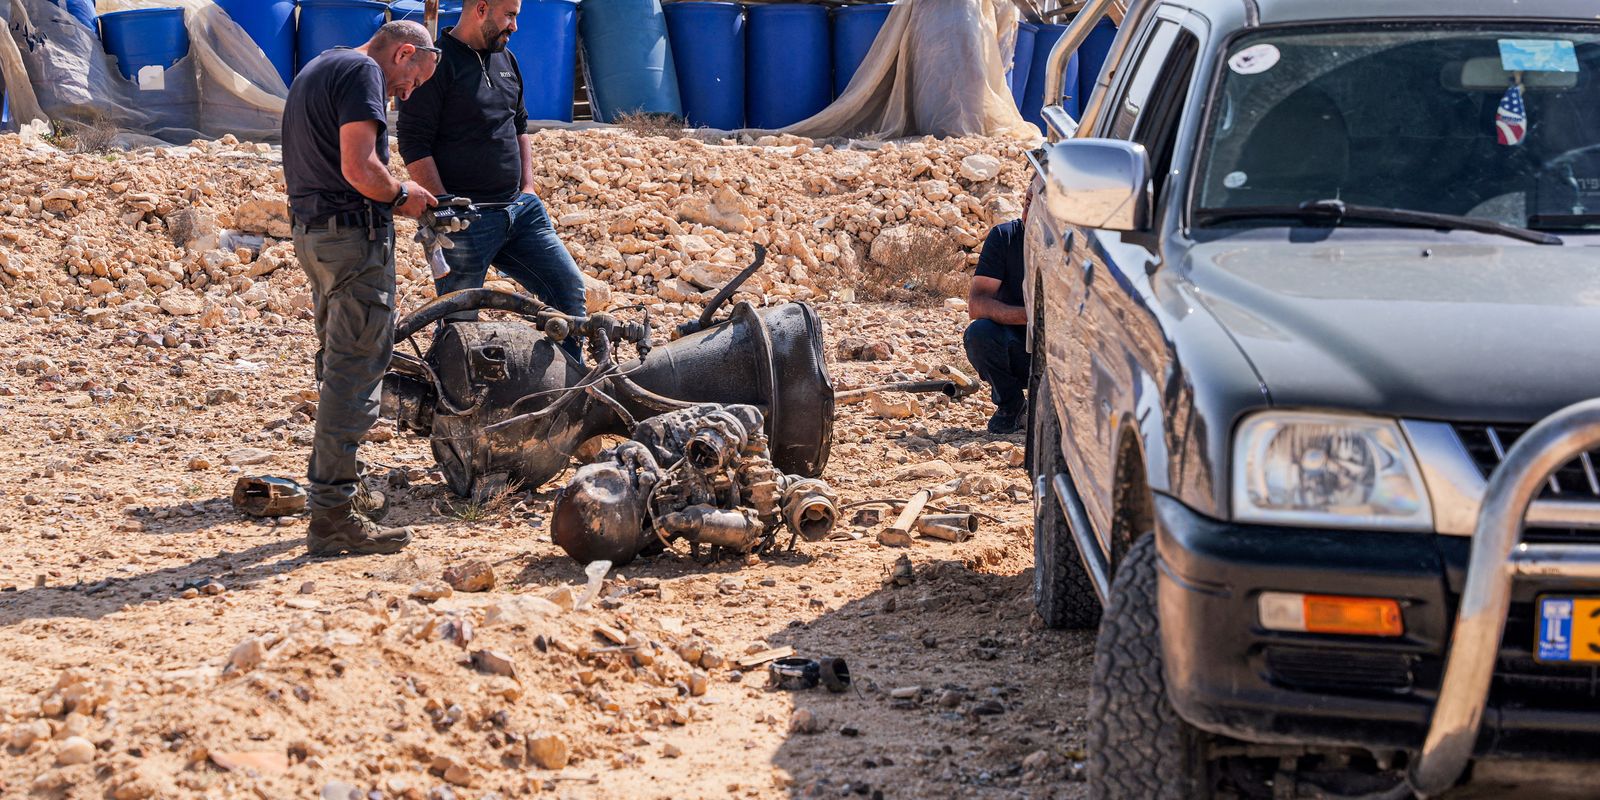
(809, 510)
(732, 529)
(949, 527)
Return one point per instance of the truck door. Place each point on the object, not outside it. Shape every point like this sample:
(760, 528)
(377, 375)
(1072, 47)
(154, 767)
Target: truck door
(1113, 322)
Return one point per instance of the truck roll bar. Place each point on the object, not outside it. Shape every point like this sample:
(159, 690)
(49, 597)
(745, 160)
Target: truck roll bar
(1498, 556)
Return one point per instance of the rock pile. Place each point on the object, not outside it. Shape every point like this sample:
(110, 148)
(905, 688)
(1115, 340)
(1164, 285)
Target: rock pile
(201, 231)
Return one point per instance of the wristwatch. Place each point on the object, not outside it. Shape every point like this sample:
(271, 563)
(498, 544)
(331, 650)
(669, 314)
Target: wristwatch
(401, 198)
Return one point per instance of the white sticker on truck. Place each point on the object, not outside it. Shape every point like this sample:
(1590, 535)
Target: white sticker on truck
(1255, 59)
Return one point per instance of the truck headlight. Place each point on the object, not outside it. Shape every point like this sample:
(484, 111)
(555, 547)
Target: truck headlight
(1327, 470)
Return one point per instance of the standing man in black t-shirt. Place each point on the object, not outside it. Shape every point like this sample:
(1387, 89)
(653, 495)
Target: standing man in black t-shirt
(463, 133)
(335, 162)
(997, 338)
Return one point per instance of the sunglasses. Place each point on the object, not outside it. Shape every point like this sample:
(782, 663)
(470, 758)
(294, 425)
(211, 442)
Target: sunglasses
(434, 50)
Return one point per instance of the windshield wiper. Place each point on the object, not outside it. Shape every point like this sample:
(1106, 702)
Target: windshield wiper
(1337, 211)
(1563, 221)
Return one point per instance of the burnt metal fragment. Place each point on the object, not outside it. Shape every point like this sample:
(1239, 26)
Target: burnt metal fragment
(703, 474)
(269, 496)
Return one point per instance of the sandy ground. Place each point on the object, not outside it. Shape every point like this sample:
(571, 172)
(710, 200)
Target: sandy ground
(116, 518)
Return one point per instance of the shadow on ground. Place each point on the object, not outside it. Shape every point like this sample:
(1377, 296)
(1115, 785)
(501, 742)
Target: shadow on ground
(992, 690)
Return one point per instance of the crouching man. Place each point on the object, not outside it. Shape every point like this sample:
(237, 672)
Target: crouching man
(996, 340)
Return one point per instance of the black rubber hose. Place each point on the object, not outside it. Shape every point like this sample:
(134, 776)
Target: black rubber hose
(466, 300)
(726, 292)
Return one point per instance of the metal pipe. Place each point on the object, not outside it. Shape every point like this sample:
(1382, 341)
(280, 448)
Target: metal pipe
(1094, 559)
(908, 515)
(1556, 560)
(1075, 35)
(1481, 619)
(949, 527)
(949, 389)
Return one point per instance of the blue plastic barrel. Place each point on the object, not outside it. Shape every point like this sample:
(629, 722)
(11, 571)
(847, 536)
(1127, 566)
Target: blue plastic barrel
(270, 24)
(855, 28)
(786, 64)
(708, 49)
(628, 59)
(326, 24)
(81, 10)
(449, 13)
(1033, 100)
(1022, 57)
(546, 47)
(144, 37)
(1092, 54)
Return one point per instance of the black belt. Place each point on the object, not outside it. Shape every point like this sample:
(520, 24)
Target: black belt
(366, 219)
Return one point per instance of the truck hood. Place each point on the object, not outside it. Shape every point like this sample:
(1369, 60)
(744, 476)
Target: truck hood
(1469, 330)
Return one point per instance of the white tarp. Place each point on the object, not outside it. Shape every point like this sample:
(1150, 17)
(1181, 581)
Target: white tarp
(938, 67)
(56, 69)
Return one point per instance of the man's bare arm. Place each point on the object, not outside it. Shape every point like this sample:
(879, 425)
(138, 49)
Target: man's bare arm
(525, 147)
(983, 303)
(426, 172)
(368, 174)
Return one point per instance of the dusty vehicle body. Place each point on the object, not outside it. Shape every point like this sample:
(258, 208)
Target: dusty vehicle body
(1284, 377)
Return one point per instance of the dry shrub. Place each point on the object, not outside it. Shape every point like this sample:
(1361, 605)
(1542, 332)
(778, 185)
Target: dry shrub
(491, 499)
(650, 124)
(925, 268)
(96, 134)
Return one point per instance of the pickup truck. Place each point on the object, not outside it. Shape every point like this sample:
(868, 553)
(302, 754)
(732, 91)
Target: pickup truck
(1314, 291)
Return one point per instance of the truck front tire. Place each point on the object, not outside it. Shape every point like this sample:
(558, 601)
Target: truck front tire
(1139, 748)
(1062, 591)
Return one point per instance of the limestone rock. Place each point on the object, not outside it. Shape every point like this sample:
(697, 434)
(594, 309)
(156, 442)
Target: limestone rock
(980, 167)
(548, 750)
(263, 213)
(74, 750)
(181, 303)
(473, 576)
(596, 294)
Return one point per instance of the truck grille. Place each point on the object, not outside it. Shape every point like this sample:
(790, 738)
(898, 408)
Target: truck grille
(1339, 670)
(1578, 479)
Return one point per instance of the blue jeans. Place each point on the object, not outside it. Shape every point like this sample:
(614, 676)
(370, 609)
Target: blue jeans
(1000, 354)
(521, 242)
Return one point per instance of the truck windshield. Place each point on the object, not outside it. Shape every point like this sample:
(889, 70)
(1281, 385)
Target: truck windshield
(1480, 122)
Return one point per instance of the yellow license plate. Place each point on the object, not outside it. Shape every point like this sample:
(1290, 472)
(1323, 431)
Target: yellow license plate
(1569, 629)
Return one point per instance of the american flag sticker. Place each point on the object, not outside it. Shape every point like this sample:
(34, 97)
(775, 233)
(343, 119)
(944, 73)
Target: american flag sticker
(1511, 118)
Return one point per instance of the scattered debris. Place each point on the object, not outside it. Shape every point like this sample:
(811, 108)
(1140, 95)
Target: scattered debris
(719, 487)
(949, 527)
(268, 496)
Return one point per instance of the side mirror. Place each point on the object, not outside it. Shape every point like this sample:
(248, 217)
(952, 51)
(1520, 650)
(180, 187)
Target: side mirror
(1098, 183)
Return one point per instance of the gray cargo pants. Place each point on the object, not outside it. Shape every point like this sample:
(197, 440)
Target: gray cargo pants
(352, 288)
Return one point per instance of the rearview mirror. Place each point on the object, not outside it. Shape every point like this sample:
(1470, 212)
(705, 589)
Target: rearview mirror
(1098, 183)
(1486, 74)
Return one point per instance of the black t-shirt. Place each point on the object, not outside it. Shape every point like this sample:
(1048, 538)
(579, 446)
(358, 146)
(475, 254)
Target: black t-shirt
(1001, 259)
(467, 117)
(338, 87)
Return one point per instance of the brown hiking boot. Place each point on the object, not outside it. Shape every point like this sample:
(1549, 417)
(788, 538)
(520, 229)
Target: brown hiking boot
(340, 530)
(370, 503)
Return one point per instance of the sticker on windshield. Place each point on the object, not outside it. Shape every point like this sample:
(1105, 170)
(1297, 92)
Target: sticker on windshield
(1254, 59)
(1538, 55)
(1234, 180)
